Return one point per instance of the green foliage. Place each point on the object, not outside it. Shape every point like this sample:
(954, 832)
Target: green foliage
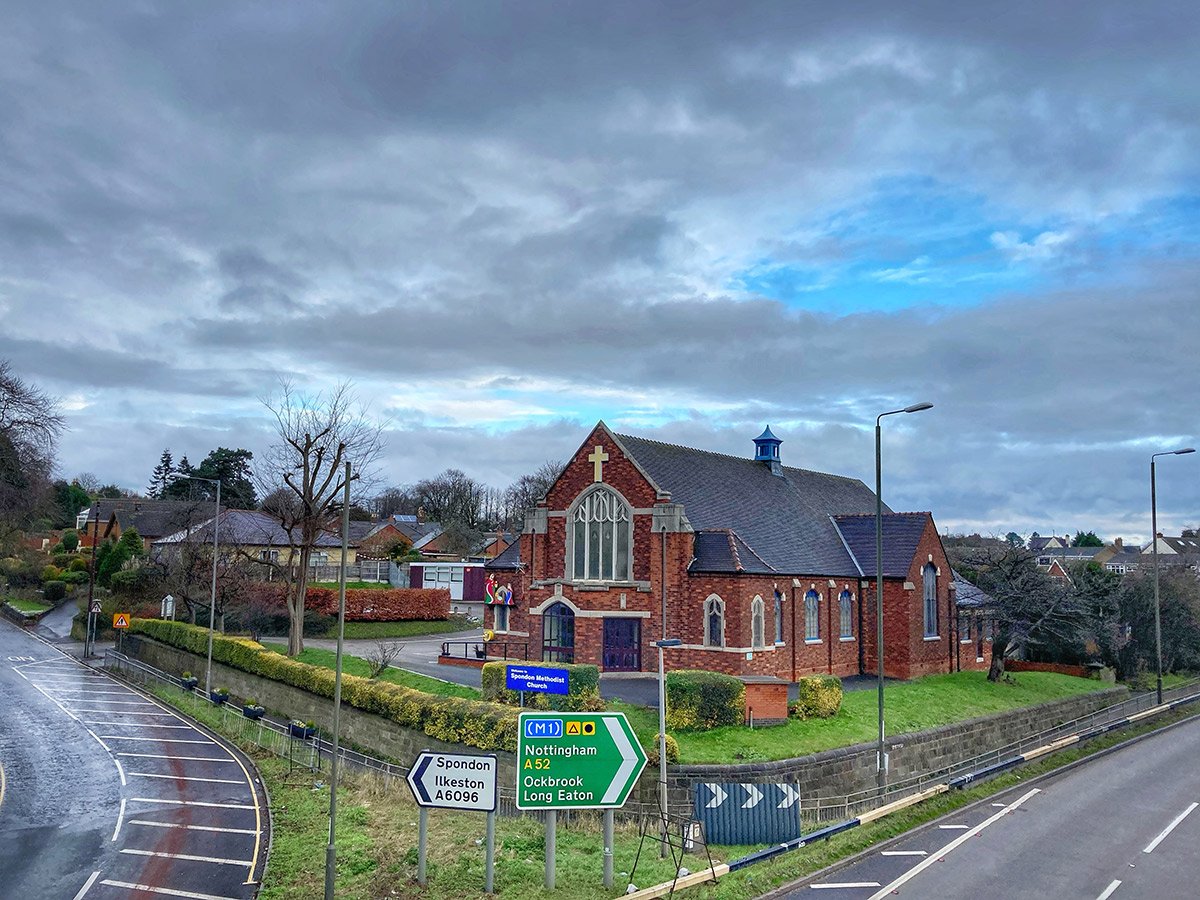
(1086, 539)
(54, 592)
(62, 559)
(70, 540)
(820, 697)
(698, 700)
(73, 576)
(672, 752)
(583, 688)
(230, 467)
(131, 542)
(50, 573)
(487, 726)
(78, 564)
(68, 499)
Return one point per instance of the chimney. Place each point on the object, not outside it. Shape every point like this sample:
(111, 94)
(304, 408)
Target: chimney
(766, 451)
(420, 515)
(1118, 543)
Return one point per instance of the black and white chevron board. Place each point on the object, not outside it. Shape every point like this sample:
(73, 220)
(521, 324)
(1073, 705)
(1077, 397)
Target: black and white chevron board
(744, 813)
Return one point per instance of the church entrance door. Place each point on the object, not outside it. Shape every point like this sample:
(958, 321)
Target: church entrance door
(622, 645)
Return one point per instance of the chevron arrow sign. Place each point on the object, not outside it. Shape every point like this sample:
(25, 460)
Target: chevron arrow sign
(746, 813)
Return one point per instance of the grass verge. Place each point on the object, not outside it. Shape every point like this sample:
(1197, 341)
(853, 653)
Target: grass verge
(29, 607)
(380, 630)
(911, 706)
(354, 665)
(377, 836)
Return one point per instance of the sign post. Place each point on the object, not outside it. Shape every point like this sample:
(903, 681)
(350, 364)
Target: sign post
(570, 760)
(455, 781)
(120, 623)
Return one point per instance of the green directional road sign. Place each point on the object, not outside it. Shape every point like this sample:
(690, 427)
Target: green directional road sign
(576, 760)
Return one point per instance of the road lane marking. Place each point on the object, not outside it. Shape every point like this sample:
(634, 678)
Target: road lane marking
(65, 690)
(134, 724)
(121, 737)
(3, 783)
(958, 841)
(168, 892)
(112, 712)
(219, 759)
(184, 778)
(903, 853)
(846, 884)
(87, 886)
(192, 803)
(192, 827)
(1108, 891)
(120, 816)
(106, 702)
(952, 827)
(1162, 834)
(219, 860)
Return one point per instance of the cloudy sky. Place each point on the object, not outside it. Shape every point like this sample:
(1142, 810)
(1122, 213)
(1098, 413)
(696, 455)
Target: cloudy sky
(503, 222)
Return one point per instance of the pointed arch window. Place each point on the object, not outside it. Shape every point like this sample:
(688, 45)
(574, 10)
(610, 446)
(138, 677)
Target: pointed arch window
(778, 617)
(812, 616)
(846, 614)
(758, 623)
(601, 535)
(714, 621)
(558, 634)
(929, 579)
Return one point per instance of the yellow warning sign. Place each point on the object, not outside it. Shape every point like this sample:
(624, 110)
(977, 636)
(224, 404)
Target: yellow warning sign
(589, 727)
(120, 620)
(573, 728)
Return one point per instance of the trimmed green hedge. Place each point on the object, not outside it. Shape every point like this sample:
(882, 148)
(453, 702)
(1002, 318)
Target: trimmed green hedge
(583, 687)
(698, 700)
(820, 697)
(487, 726)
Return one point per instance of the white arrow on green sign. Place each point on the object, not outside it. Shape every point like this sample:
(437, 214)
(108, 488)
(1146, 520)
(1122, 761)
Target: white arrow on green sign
(576, 760)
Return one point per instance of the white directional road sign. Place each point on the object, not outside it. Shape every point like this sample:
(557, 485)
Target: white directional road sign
(454, 781)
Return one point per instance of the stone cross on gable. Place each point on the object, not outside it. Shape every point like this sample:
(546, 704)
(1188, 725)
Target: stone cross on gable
(598, 458)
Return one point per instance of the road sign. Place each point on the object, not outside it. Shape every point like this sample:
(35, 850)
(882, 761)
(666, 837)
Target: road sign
(743, 813)
(120, 620)
(454, 781)
(573, 760)
(95, 607)
(537, 678)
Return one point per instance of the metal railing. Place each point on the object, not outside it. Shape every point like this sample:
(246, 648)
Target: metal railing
(485, 650)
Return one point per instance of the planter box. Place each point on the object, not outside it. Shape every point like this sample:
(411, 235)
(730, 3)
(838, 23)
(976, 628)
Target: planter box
(218, 699)
(253, 712)
(189, 684)
(303, 732)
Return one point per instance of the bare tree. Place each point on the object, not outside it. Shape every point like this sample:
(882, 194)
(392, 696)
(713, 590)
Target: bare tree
(524, 493)
(316, 436)
(395, 500)
(30, 423)
(380, 659)
(453, 497)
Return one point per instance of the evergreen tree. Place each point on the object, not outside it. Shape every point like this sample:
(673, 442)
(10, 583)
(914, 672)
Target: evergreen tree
(164, 472)
(180, 488)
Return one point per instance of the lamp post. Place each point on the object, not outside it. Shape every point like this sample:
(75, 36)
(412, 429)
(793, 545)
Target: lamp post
(1154, 544)
(212, 603)
(916, 407)
(330, 851)
(662, 737)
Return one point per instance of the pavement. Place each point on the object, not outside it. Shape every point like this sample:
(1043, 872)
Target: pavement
(1123, 826)
(107, 794)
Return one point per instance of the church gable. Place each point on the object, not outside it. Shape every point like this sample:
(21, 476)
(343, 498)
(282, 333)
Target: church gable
(602, 460)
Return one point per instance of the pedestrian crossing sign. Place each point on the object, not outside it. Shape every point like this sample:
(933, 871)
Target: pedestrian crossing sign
(120, 620)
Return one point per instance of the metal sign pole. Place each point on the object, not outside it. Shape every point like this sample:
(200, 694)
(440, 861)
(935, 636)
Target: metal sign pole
(422, 833)
(551, 839)
(608, 848)
(490, 859)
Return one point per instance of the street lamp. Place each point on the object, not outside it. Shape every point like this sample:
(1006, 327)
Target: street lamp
(212, 607)
(916, 407)
(662, 736)
(1154, 542)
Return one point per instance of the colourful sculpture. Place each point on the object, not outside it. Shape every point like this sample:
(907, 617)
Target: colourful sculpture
(497, 595)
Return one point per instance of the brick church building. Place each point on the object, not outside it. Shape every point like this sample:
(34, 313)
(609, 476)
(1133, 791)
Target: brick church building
(759, 568)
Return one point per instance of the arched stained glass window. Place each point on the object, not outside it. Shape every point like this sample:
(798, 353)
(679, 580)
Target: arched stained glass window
(558, 634)
(714, 621)
(929, 577)
(812, 616)
(602, 534)
(758, 625)
(846, 614)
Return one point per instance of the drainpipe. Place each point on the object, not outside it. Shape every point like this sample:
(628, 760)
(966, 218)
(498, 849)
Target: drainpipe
(861, 652)
(793, 590)
(829, 627)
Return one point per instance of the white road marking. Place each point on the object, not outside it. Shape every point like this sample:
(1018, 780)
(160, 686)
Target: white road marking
(106, 702)
(116, 712)
(944, 851)
(192, 827)
(219, 860)
(120, 817)
(952, 827)
(994, 804)
(903, 853)
(67, 690)
(183, 778)
(228, 759)
(135, 724)
(1108, 891)
(1162, 834)
(121, 737)
(846, 884)
(192, 803)
(169, 892)
(87, 885)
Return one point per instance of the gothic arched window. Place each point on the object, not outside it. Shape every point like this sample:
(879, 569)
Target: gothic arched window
(846, 614)
(812, 616)
(714, 621)
(929, 577)
(758, 625)
(602, 534)
(558, 634)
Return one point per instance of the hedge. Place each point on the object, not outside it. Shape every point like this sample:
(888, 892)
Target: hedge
(698, 700)
(820, 696)
(583, 687)
(487, 726)
(362, 605)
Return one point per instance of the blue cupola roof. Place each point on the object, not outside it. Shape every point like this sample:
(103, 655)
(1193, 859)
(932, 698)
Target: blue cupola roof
(766, 449)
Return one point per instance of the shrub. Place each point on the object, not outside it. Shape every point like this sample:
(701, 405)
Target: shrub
(70, 540)
(583, 688)
(51, 573)
(54, 592)
(78, 564)
(820, 697)
(73, 577)
(699, 700)
(61, 558)
(487, 726)
(672, 752)
(362, 605)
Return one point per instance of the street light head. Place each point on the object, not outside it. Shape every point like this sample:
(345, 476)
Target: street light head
(918, 407)
(1185, 450)
(668, 642)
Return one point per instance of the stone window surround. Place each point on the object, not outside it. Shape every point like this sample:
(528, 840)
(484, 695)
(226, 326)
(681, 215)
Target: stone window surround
(588, 613)
(758, 618)
(569, 515)
(720, 606)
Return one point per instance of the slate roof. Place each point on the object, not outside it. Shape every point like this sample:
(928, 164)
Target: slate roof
(414, 530)
(784, 518)
(509, 560)
(901, 534)
(154, 518)
(247, 527)
(968, 595)
(1186, 546)
(721, 550)
(1071, 554)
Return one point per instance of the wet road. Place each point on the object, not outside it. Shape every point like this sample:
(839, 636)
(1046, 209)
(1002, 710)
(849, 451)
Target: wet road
(107, 794)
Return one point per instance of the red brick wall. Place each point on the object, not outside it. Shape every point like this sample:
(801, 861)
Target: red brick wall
(767, 702)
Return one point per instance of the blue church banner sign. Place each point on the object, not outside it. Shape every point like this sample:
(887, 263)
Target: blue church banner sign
(540, 679)
(743, 813)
